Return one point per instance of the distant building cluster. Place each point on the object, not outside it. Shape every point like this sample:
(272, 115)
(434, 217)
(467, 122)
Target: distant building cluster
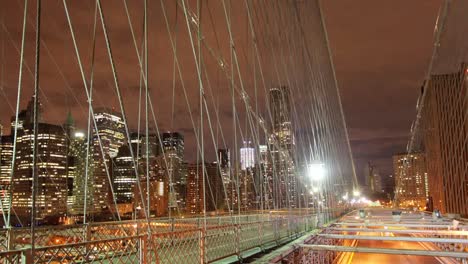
(104, 172)
(373, 179)
(411, 183)
(444, 146)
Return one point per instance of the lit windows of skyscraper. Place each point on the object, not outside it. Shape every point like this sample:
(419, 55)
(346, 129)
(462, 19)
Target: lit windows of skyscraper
(195, 199)
(83, 175)
(445, 125)
(123, 175)
(224, 158)
(6, 156)
(263, 149)
(51, 194)
(410, 178)
(173, 143)
(110, 128)
(247, 156)
(281, 141)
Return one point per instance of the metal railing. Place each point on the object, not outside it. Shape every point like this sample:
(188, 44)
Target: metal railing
(438, 237)
(157, 241)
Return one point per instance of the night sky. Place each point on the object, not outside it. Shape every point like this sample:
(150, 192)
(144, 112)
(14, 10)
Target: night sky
(381, 51)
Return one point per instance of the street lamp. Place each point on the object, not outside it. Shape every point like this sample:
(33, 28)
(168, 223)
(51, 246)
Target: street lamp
(316, 173)
(136, 212)
(345, 197)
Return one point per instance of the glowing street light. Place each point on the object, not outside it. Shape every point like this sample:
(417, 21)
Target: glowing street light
(316, 171)
(345, 197)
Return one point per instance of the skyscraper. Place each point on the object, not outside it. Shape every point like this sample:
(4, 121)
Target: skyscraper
(69, 129)
(411, 188)
(224, 157)
(6, 156)
(110, 127)
(195, 199)
(445, 125)
(158, 183)
(247, 156)
(280, 143)
(83, 171)
(373, 179)
(173, 145)
(196, 195)
(109, 134)
(123, 175)
(51, 192)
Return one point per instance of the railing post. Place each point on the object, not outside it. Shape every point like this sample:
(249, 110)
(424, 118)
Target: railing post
(10, 238)
(27, 256)
(238, 240)
(87, 239)
(260, 234)
(201, 241)
(275, 224)
(143, 249)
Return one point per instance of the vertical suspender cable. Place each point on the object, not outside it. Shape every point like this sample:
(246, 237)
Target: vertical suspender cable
(201, 135)
(85, 84)
(35, 172)
(90, 106)
(343, 119)
(146, 109)
(20, 75)
(122, 108)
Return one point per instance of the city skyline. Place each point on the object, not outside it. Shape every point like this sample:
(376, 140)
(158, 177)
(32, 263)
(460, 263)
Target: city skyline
(255, 131)
(371, 139)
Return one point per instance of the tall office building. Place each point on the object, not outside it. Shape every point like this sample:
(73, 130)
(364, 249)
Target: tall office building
(227, 191)
(6, 156)
(280, 107)
(224, 157)
(373, 179)
(173, 146)
(445, 125)
(158, 183)
(263, 151)
(51, 193)
(123, 166)
(411, 188)
(196, 195)
(173, 142)
(153, 149)
(123, 175)
(247, 156)
(247, 190)
(283, 183)
(69, 129)
(83, 171)
(110, 128)
(195, 198)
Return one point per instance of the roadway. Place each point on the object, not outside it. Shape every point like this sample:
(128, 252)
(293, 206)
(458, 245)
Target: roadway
(363, 258)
